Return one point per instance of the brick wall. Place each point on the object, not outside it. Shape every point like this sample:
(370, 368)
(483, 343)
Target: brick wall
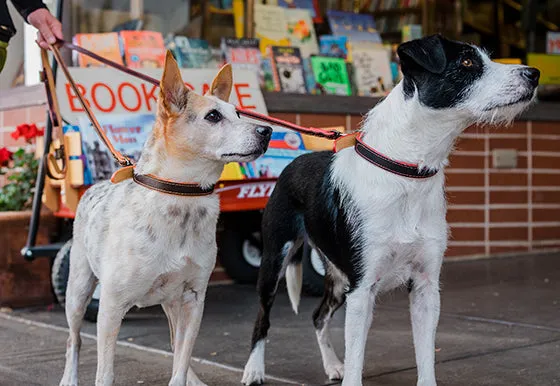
(490, 210)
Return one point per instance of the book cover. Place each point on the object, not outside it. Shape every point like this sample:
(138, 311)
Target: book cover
(355, 26)
(284, 147)
(143, 49)
(372, 69)
(553, 42)
(310, 82)
(411, 32)
(335, 46)
(331, 74)
(104, 44)
(190, 52)
(243, 53)
(288, 70)
(127, 132)
(301, 31)
(271, 27)
(310, 5)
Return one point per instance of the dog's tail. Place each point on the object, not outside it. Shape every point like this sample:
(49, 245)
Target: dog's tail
(294, 279)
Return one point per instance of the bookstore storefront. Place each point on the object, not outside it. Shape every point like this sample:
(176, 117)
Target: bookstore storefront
(315, 63)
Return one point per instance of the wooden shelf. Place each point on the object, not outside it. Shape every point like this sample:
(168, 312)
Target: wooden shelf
(479, 27)
(397, 11)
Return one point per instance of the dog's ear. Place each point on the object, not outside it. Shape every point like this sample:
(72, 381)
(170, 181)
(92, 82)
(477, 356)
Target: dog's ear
(426, 54)
(222, 83)
(173, 89)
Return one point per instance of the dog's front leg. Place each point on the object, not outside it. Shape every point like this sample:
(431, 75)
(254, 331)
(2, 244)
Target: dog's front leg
(189, 316)
(424, 314)
(359, 313)
(109, 322)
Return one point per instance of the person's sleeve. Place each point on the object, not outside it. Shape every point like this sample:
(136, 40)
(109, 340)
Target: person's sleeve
(25, 7)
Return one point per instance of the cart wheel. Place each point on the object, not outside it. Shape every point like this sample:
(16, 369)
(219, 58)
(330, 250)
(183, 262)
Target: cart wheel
(240, 255)
(60, 272)
(59, 276)
(313, 272)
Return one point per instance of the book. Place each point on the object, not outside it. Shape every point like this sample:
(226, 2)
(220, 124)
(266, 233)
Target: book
(127, 133)
(284, 147)
(189, 52)
(372, 69)
(334, 46)
(310, 5)
(130, 25)
(104, 44)
(143, 49)
(553, 42)
(301, 32)
(331, 74)
(310, 82)
(270, 26)
(411, 32)
(243, 53)
(288, 69)
(355, 26)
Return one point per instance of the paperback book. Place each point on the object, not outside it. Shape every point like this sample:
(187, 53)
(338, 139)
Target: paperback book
(288, 70)
(143, 49)
(309, 5)
(355, 26)
(189, 52)
(271, 27)
(127, 133)
(244, 54)
(103, 44)
(372, 69)
(301, 31)
(331, 74)
(335, 46)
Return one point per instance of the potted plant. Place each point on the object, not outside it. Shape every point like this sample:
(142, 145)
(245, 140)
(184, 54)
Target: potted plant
(22, 283)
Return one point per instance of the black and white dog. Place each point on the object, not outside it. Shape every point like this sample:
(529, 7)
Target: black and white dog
(380, 223)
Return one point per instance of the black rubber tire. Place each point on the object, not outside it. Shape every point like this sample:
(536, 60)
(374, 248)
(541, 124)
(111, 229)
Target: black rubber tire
(60, 272)
(313, 282)
(59, 276)
(230, 251)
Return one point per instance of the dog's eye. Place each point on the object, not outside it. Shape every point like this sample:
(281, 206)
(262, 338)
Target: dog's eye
(214, 116)
(466, 63)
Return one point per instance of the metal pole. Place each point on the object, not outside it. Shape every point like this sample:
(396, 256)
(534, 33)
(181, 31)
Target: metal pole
(41, 174)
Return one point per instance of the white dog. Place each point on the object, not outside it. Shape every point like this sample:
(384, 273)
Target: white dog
(149, 247)
(376, 212)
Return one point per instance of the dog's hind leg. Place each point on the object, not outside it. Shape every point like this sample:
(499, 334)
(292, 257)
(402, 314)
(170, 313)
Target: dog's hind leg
(281, 238)
(81, 283)
(333, 298)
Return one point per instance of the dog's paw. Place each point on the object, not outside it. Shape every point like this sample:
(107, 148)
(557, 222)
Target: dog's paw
(253, 375)
(335, 371)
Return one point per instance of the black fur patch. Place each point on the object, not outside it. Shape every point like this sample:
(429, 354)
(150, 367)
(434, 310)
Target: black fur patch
(441, 70)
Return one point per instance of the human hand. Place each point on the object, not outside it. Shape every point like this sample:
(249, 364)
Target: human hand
(49, 27)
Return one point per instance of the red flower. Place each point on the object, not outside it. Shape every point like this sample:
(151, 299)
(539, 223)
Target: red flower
(5, 156)
(27, 131)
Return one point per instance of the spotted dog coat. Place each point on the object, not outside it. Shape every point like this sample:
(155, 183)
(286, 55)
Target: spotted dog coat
(146, 247)
(376, 230)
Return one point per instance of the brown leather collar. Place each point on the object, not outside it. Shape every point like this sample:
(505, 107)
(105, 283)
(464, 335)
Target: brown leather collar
(176, 188)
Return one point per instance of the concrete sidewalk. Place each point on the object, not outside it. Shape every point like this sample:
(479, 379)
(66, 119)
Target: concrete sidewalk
(500, 325)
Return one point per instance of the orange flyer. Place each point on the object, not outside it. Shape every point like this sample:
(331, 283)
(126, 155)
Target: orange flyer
(143, 49)
(103, 44)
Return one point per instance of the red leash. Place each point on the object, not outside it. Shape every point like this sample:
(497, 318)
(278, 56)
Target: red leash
(328, 134)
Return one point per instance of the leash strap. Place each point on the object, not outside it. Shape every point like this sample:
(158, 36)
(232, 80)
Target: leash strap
(121, 159)
(165, 186)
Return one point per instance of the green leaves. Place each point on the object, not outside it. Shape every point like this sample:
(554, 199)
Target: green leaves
(17, 194)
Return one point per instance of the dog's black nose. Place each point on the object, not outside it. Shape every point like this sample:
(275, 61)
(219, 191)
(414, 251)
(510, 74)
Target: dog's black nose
(265, 131)
(532, 75)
